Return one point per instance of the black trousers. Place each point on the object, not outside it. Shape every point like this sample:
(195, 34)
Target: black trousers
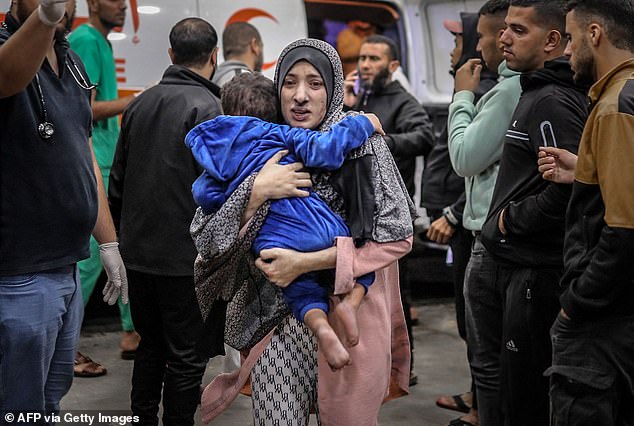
(531, 306)
(166, 316)
(593, 372)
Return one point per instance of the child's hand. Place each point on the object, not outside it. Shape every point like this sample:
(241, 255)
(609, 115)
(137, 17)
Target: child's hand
(375, 122)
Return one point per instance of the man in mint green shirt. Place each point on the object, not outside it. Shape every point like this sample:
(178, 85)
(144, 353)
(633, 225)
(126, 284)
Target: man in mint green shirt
(476, 138)
(91, 44)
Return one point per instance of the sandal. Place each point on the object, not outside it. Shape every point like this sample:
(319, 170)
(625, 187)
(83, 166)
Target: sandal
(460, 422)
(459, 403)
(86, 367)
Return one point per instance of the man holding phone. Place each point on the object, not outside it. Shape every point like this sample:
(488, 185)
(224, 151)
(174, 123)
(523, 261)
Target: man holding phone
(408, 130)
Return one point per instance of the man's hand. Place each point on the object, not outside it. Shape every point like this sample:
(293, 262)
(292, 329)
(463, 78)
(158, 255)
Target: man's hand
(275, 181)
(349, 98)
(51, 12)
(557, 165)
(564, 314)
(440, 231)
(468, 76)
(281, 266)
(375, 122)
(117, 284)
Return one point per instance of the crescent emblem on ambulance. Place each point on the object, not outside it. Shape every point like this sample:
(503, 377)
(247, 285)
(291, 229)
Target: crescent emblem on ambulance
(245, 15)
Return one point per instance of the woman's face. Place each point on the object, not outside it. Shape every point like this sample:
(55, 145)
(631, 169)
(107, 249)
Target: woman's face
(303, 97)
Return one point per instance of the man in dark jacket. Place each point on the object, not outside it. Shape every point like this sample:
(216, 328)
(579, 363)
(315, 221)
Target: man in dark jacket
(151, 201)
(524, 230)
(593, 336)
(407, 126)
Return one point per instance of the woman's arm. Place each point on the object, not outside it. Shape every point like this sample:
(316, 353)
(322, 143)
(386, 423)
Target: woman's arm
(283, 266)
(214, 235)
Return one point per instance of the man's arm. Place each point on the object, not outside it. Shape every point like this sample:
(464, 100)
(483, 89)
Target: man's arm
(476, 140)
(21, 56)
(104, 233)
(556, 165)
(414, 134)
(106, 109)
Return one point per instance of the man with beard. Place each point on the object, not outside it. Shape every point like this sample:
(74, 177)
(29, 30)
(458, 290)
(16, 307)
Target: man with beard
(91, 44)
(152, 206)
(593, 335)
(524, 229)
(408, 130)
(51, 198)
(243, 51)
(476, 137)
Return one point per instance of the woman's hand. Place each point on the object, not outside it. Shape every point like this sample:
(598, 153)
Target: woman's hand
(281, 266)
(276, 181)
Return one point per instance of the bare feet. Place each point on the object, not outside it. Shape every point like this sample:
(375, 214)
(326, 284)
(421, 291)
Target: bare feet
(336, 355)
(347, 315)
(330, 345)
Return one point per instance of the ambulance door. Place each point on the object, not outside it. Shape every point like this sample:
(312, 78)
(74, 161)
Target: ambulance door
(140, 47)
(278, 21)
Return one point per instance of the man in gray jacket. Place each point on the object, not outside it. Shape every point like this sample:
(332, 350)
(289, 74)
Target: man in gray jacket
(243, 51)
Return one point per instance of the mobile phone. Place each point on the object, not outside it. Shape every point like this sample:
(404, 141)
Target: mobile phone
(357, 84)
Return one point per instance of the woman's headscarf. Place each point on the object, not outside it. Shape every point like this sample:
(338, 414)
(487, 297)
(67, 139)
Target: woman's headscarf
(326, 60)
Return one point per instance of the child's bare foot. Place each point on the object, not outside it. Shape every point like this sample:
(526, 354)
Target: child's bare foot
(347, 315)
(336, 355)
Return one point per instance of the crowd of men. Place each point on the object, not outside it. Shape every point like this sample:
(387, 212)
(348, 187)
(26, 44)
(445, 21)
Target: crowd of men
(543, 202)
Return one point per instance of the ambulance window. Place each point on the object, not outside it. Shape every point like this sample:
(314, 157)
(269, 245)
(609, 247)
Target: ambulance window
(345, 24)
(441, 41)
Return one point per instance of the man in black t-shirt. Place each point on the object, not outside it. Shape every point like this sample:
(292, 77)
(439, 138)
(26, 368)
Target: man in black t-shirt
(51, 200)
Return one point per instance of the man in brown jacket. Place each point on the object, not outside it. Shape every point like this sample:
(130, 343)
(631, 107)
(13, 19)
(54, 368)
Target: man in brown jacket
(593, 336)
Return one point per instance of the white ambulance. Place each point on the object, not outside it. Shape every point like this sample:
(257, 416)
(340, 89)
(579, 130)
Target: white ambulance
(140, 47)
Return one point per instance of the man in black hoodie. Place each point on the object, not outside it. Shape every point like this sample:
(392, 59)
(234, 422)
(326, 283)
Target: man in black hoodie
(152, 206)
(524, 230)
(407, 126)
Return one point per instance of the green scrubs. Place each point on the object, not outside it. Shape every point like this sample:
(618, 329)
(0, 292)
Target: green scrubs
(96, 53)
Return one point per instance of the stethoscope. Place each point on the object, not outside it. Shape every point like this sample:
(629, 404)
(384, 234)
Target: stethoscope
(45, 128)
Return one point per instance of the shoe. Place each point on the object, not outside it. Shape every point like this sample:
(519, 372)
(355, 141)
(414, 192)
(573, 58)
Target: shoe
(413, 379)
(129, 344)
(460, 422)
(86, 367)
(458, 403)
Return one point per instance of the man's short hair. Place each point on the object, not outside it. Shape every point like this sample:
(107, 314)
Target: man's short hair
(236, 38)
(392, 50)
(617, 17)
(551, 14)
(495, 7)
(250, 94)
(192, 41)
